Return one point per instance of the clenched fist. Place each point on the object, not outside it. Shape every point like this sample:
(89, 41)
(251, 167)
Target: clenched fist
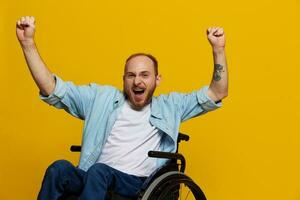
(25, 30)
(216, 37)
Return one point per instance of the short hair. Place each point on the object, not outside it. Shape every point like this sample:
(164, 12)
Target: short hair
(151, 57)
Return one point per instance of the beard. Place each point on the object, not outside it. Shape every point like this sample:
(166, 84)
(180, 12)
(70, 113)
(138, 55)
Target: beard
(133, 98)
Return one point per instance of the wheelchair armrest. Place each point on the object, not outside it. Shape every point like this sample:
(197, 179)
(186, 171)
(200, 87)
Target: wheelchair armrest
(75, 148)
(181, 136)
(168, 155)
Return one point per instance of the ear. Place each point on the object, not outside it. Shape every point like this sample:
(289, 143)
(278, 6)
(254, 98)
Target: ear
(158, 79)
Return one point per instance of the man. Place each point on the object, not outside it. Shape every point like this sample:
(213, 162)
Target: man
(120, 127)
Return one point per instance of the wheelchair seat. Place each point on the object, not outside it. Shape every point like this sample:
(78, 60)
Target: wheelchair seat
(167, 183)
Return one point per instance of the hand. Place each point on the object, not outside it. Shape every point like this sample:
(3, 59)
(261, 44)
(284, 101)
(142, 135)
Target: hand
(216, 37)
(25, 30)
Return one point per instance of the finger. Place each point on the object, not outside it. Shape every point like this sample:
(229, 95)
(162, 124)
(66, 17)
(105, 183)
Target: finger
(26, 22)
(32, 20)
(217, 32)
(212, 31)
(208, 30)
(18, 24)
(22, 19)
(220, 32)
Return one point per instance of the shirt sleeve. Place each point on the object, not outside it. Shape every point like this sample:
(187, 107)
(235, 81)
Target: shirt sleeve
(76, 100)
(196, 103)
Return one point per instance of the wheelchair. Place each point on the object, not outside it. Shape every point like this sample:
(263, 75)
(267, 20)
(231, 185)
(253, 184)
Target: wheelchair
(167, 183)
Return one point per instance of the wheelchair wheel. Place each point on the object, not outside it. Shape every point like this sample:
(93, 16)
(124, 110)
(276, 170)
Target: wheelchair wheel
(173, 185)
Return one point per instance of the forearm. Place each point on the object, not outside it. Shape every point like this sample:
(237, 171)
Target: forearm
(218, 88)
(39, 71)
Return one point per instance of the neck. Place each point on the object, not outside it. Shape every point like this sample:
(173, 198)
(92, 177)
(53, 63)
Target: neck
(137, 108)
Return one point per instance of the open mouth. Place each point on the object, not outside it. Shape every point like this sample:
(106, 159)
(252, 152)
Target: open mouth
(138, 91)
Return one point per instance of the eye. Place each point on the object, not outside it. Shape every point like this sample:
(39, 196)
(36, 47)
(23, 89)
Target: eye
(129, 76)
(145, 75)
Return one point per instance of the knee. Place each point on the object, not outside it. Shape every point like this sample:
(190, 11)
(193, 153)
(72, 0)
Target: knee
(98, 169)
(59, 167)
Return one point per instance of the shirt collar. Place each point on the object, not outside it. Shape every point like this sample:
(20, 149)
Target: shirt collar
(155, 108)
(119, 100)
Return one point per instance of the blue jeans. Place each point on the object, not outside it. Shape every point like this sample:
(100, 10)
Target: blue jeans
(62, 179)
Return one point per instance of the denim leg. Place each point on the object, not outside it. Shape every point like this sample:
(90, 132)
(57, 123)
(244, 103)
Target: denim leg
(61, 178)
(100, 177)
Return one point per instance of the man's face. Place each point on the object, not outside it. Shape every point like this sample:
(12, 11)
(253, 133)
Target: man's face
(140, 81)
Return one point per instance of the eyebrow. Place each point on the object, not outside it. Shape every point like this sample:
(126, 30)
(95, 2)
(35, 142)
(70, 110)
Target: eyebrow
(142, 72)
(145, 72)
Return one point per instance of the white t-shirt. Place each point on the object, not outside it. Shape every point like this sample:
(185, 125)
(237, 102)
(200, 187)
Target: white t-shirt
(127, 146)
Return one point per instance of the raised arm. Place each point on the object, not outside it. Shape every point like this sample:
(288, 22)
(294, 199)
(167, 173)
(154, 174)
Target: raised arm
(218, 88)
(42, 76)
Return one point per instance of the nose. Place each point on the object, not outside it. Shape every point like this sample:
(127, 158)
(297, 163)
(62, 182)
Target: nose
(137, 80)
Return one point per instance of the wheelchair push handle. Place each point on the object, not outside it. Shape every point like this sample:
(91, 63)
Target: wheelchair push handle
(183, 137)
(75, 148)
(168, 155)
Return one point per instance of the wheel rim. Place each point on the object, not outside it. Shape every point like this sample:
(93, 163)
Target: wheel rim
(173, 186)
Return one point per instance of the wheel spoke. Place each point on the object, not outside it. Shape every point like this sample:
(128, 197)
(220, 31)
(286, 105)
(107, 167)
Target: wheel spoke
(180, 192)
(175, 186)
(187, 195)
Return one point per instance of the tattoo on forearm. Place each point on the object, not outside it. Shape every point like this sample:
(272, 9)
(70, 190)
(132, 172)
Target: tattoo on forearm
(217, 72)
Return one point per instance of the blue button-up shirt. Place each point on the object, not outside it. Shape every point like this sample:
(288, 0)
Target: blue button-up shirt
(99, 105)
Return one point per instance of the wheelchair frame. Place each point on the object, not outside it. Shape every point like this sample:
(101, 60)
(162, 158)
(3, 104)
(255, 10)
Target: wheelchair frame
(165, 183)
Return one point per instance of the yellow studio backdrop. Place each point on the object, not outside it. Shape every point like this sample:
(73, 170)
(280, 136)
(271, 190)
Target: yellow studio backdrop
(248, 149)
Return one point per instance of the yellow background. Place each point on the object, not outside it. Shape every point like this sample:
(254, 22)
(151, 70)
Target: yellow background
(249, 149)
